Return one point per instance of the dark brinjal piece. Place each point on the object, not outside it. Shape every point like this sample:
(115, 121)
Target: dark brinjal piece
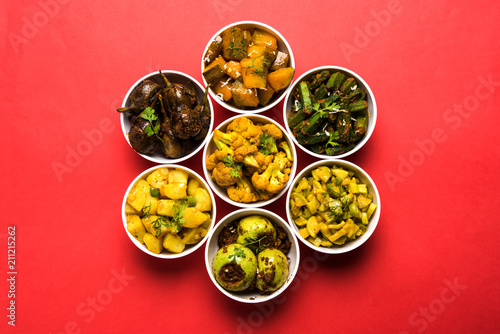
(205, 116)
(171, 146)
(139, 140)
(178, 94)
(142, 97)
(186, 122)
(174, 148)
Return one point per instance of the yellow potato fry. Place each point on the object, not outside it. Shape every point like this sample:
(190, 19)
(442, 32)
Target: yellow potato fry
(173, 243)
(136, 228)
(193, 218)
(153, 243)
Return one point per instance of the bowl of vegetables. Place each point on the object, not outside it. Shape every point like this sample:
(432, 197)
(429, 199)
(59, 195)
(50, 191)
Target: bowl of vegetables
(330, 112)
(333, 206)
(249, 161)
(166, 116)
(168, 210)
(252, 255)
(248, 66)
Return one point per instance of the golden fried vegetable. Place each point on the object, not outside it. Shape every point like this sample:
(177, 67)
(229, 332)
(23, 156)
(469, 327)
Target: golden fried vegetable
(233, 69)
(332, 204)
(259, 163)
(203, 200)
(244, 96)
(153, 243)
(181, 209)
(225, 175)
(193, 217)
(280, 79)
(238, 63)
(136, 228)
(261, 37)
(193, 235)
(254, 72)
(173, 243)
(223, 88)
(138, 195)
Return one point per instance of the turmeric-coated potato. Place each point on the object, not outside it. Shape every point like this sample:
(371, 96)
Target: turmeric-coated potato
(193, 184)
(153, 243)
(193, 217)
(193, 235)
(178, 176)
(136, 228)
(174, 190)
(168, 209)
(158, 177)
(137, 196)
(173, 243)
(203, 200)
(148, 223)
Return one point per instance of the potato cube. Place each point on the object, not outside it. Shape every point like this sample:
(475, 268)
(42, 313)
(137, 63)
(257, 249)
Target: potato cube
(325, 231)
(206, 224)
(135, 227)
(193, 235)
(337, 235)
(173, 243)
(193, 217)
(166, 207)
(138, 195)
(203, 200)
(129, 210)
(158, 177)
(300, 221)
(340, 173)
(178, 176)
(153, 243)
(363, 202)
(371, 209)
(148, 224)
(193, 184)
(150, 205)
(174, 190)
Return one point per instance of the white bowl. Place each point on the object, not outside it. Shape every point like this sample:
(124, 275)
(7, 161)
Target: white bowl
(372, 109)
(212, 247)
(189, 248)
(361, 175)
(283, 46)
(210, 148)
(174, 77)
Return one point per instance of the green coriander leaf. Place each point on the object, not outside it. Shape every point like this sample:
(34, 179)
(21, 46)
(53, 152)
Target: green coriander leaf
(239, 252)
(265, 144)
(235, 168)
(149, 131)
(146, 210)
(149, 115)
(153, 129)
(332, 142)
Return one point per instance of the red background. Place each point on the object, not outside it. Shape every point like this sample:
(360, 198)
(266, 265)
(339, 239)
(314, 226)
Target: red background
(432, 264)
